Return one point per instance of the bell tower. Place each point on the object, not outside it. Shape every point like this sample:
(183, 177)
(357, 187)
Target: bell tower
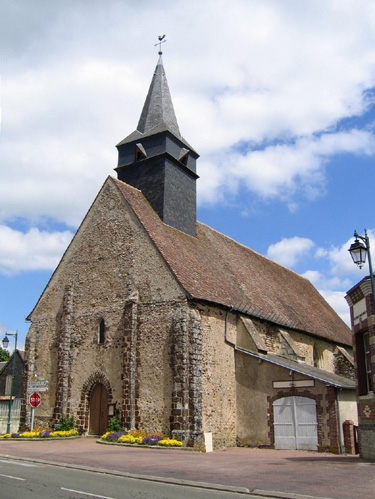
(157, 160)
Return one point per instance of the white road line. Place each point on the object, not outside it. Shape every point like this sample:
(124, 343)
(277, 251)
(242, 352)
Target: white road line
(28, 465)
(14, 477)
(86, 493)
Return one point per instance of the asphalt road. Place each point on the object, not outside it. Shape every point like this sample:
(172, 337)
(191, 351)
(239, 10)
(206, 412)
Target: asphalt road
(290, 473)
(25, 480)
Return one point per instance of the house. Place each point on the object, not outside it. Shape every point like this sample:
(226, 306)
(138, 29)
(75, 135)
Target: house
(362, 313)
(176, 328)
(6, 376)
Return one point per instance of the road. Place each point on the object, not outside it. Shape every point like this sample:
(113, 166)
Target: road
(291, 474)
(24, 480)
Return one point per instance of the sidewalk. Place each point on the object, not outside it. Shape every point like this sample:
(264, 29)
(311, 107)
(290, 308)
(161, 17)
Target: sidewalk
(288, 472)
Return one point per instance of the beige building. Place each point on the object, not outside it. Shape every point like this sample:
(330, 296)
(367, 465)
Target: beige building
(177, 328)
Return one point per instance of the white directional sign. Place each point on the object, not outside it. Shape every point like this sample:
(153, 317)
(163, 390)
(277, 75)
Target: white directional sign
(39, 385)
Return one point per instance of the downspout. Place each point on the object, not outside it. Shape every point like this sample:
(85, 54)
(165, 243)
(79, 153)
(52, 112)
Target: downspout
(226, 327)
(338, 418)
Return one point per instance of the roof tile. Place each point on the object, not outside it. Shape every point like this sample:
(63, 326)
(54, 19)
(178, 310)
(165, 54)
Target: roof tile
(214, 268)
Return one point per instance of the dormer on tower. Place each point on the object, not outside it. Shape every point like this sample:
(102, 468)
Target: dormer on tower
(157, 160)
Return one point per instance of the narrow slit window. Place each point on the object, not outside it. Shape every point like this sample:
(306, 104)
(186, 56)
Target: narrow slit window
(101, 332)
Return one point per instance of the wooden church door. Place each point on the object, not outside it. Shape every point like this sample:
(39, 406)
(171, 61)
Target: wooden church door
(98, 410)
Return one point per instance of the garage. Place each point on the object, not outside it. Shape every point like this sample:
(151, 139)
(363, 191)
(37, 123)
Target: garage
(295, 423)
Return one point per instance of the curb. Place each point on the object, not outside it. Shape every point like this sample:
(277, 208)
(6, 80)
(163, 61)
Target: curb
(150, 478)
(253, 494)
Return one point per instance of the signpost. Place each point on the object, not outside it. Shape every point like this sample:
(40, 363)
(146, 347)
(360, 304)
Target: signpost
(38, 385)
(34, 400)
(35, 387)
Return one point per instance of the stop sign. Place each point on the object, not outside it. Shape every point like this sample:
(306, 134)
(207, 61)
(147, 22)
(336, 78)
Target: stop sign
(35, 399)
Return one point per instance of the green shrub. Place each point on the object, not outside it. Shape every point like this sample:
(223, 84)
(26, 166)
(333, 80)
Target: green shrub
(65, 424)
(114, 424)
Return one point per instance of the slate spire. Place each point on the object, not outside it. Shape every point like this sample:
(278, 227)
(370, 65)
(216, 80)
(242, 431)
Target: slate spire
(157, 160)
(158, 111)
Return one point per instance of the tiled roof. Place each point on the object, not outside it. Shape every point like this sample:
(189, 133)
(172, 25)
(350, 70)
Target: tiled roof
(215, 268)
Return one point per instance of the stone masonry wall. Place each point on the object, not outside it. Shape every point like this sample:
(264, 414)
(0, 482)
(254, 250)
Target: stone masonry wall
(111, 265)
(218, 376)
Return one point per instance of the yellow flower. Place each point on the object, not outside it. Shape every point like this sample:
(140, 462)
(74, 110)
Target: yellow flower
(67, 433)
(169, 442)
(29, 434)
(129, 439)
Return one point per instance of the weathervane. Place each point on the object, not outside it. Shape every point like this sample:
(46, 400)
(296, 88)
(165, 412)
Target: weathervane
(161, 40)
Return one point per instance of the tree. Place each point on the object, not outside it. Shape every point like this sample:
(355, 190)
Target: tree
(4, 355)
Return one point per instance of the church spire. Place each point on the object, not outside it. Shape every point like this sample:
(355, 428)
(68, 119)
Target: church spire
(158, 161)
(158, 112)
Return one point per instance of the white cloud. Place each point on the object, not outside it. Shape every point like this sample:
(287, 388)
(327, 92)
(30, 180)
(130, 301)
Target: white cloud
(340, 261)
(279, 171)
(34, 250)
(337, 301)
(260, 90)
(251, 71)
(289, 252)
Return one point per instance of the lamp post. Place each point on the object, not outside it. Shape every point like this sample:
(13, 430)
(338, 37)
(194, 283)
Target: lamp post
(358, 251)
(5, 345)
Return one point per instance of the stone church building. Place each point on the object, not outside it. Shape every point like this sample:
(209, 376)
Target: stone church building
(176, 328)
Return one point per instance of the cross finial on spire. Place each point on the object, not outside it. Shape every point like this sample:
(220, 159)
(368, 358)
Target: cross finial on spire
(161, 40)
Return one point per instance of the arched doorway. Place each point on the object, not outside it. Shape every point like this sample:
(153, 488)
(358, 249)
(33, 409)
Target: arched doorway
(295, 423)
(98, 410)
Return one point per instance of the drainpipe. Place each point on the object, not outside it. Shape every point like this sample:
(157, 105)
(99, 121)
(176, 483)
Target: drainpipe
(338, 418)
(226, 327)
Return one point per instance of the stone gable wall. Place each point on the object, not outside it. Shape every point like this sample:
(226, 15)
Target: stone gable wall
(110, 262)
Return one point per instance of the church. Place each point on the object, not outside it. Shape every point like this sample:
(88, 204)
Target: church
(173, 327)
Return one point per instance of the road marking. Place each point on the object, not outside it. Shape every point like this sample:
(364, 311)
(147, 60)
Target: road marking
(29, 465)
(14, 477)
(86, 493)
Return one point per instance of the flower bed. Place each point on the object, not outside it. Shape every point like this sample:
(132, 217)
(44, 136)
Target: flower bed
(41, 434)
(136, 437)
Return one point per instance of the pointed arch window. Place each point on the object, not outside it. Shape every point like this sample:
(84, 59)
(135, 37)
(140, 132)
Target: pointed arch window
(101, 332)
(140, 152)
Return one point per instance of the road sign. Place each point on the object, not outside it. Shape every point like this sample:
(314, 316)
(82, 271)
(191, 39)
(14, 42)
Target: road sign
(35, 399)
(37, 383)
(40, 385)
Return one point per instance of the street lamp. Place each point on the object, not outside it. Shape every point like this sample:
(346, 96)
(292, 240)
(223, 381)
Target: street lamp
(358, 251)
(5, 345)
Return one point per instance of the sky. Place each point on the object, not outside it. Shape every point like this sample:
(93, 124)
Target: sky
(276, 96)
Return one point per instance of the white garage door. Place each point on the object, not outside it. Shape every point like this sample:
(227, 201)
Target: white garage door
(295, 424)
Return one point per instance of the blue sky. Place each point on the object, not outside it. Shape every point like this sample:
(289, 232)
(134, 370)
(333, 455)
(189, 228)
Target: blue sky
(277, 97)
